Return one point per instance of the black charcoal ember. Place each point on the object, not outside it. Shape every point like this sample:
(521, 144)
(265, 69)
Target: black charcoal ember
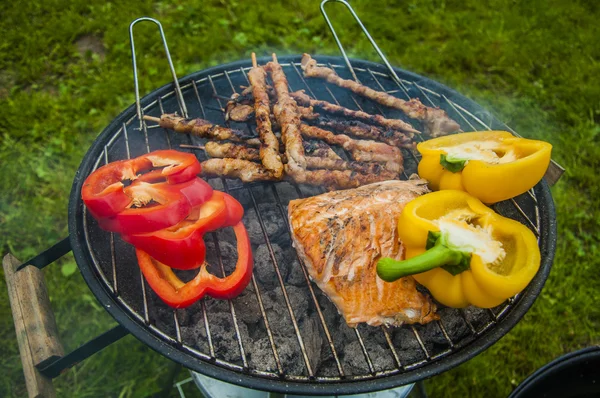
(263, 193)
(372, 333)
(234, 184)
(355, 359)
(216, 183)
(381, 357)
(328, 369)
(286, 192)
(296, 274)
(432, 337)
(261, 356)
(162, 317)
(454, 323)
(247, 307)
(311, 190)
(311, 337)
(224, 336)
(264, 267)
(478, 317)
(407, 346)
(272, 220)
(226, 251)
(290, 355)
(298, 300)
(277, 310)
(216, 305)
(195, 335)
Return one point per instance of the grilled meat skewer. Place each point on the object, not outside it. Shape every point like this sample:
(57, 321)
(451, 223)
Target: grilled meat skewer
(199, 127)
(248, 171)
(361, 150)
(287, 115)
(395, 124)
(269, 149)
(229, 150)
(436, 120)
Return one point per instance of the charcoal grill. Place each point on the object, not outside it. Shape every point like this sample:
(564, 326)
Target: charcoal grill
(282, 334)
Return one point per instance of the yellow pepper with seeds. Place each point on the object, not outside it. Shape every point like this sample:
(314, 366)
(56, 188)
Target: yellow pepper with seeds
(490, 165)
(462, 251)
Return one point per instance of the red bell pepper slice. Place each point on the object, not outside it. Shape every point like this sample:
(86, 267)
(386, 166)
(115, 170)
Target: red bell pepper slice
(235, 211)
(182, 246)
(103, 190)
(178, 294)
(152, 207)
(175, 167)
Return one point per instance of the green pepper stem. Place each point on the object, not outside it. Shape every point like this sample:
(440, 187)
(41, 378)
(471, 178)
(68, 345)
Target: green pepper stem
(390, 270)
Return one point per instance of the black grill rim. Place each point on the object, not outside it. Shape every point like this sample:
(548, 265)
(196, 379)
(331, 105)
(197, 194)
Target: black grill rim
(83, 258)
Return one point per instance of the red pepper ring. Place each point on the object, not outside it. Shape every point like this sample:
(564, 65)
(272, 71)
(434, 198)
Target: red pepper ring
(178, 294)
(161, 205)
(182, 246)
(103, 190)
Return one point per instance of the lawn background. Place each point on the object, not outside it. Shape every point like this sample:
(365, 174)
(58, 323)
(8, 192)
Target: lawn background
(65, 72)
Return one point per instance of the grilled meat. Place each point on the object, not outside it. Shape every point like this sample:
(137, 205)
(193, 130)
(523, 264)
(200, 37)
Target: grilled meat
(199, 127)
(394, 124)
(362, 130)
(239, 112)
(341, 235)
(269, 149)
(436, 120)
(287, 115)
(244, 170)
(229, 150)
(366, 150)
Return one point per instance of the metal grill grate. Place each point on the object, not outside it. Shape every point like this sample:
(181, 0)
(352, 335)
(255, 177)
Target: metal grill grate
(283, 320)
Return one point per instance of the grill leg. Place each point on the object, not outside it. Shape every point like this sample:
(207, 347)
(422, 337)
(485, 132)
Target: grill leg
(35, 325)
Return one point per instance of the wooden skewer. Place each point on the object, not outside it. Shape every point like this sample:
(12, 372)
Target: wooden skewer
(254, 63)
(274, 58)
(151, 118)
(191, 146)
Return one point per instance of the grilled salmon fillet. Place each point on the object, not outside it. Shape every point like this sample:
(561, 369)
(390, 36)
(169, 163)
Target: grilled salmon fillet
(341, 235)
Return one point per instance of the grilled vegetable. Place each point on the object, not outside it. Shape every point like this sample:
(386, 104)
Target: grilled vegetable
(178, 294)
(463, 251)
(491, 165)
(103, 191)
(182, 246)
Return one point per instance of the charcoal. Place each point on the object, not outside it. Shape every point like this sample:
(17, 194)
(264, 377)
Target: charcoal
(216, 306)
(298, 300)
(290, 355)
(381, 357)
(247, 307)
(311, 336)
(261, 356)
(295, 275)
(277, 311)
(455, 325)
(328, 368)
(227, 251)
(286, 192)
(275, 225)
(432, 337)
(478, 317)
(216, 183)
(190, 335)
(224, 336)
(407, 346)
(264, 268)
(354, 358)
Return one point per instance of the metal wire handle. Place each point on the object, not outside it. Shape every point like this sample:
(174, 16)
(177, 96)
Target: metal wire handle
(367, 34)
(135, 74)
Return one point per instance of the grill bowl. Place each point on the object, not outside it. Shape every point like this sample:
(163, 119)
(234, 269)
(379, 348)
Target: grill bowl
(283, 334)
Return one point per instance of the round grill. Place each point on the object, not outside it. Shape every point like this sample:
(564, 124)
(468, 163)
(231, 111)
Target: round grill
(282, 334)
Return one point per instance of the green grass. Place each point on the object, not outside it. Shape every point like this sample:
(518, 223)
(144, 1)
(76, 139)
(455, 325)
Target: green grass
(534, 63)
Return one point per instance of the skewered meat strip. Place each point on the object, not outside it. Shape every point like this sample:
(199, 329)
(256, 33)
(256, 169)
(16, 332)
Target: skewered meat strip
(229, 150)
(239, 112)
(319, 149)
(395, 124)
(244, 170)
(287, 115)
(364, 150)
(362, 130)
(199, 127)
(269, 150)
(248, 171)
(436, 120)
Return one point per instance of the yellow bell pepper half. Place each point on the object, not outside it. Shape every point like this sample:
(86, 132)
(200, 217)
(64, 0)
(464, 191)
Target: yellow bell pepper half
(490, 165)
(462, 251)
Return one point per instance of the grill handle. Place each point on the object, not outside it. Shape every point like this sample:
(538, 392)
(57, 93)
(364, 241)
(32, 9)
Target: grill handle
(179, 95)
(555, 170)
